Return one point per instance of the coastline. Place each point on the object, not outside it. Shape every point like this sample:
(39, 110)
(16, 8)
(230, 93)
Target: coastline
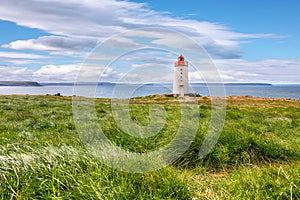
(20, 83)
(156, 97)
(111, 91)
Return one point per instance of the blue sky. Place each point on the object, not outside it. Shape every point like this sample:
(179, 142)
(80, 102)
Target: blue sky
(267, 16)
(249, 41)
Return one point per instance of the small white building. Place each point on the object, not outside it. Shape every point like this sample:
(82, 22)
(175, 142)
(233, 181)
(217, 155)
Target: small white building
(181, 78)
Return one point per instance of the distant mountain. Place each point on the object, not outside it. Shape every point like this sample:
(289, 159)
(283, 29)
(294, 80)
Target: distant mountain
(19, 83)
(266, 84)
(53, 84)
(247, 84)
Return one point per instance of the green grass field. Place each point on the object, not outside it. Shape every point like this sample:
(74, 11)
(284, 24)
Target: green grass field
(256, 157)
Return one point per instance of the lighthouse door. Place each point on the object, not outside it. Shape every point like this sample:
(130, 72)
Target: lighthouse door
(181, 93)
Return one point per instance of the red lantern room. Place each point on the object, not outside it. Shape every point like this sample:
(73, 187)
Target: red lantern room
(181, 60)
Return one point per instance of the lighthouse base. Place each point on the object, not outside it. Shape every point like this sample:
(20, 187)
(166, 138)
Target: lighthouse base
(187, 95)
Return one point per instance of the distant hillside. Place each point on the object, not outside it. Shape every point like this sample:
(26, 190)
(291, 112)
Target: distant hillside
(19, 83)
(266, 84)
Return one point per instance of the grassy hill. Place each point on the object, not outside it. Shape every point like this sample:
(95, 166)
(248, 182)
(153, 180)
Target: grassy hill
(257, 155)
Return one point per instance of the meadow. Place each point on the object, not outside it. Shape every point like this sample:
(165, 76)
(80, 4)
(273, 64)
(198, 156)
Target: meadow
(256, 157)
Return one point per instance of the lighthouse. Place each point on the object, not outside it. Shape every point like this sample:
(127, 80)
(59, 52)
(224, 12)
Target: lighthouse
(181, 79)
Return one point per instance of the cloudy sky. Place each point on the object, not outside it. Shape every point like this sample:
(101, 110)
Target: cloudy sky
(247, 41)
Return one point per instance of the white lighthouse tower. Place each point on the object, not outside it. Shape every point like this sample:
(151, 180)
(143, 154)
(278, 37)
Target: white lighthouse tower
(181, 78)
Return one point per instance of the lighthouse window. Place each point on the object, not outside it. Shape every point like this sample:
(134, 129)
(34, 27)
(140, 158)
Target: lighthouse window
(180, 72)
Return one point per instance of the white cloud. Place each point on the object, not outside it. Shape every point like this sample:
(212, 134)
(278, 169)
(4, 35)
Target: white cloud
(87, 18)
(77, 26)
(69, 73)
(230, 70)
(14, 73)
(79, 23)
(56, 45)
(20, 58)
(47, 73)
(54, 73)
(14, 55)
(270, 71)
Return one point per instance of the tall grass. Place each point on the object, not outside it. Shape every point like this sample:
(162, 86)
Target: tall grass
(256, 157)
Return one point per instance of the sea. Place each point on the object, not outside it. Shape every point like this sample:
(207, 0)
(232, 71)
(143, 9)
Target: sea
(109, 90)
